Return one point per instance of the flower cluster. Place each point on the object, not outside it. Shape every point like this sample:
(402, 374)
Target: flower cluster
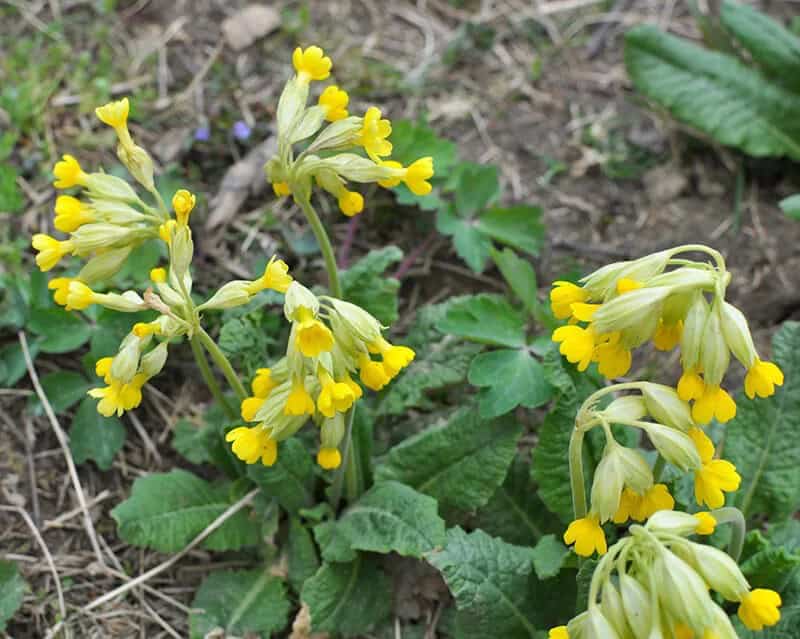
(329, 341)
(656, 583)
(325, 159)
(623, 305)
(624, 487)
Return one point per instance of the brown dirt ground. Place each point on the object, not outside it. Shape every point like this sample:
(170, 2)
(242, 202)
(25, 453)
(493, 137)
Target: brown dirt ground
(492, 106)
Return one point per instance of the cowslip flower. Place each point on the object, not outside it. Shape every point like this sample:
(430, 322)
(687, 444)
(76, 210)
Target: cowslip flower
(69, 173)
(334, 100)
(51, 250)
(587, 536)
(762, 378)
(759, 608)
(715, 477)
(183, 203)
(71, 213)
(253, 444)
(641, 507)
(559, 632)
(311, 64)
(374, 133)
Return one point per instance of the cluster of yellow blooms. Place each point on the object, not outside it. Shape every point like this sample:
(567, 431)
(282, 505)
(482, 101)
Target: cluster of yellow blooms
(297, 123)
(623, 305)
(623, 487)
(314, 379)
(662, 583)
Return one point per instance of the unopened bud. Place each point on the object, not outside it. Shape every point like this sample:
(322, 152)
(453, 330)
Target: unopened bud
(737, 335)
(104, 186)
(630, 311)
(154, 361)
(630, 408)
(666, 407)
(104, 265)
(613, 609)
(718, 569)
(230, 295)
(682, 592)
(337, 135)
(693, 328)
(714, 353)
(138, 162)
(637, 604)
(675, 446)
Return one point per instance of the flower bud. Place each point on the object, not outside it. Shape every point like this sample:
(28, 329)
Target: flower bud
(693, 327)
(637, 605)
(332, 431)
(737, 335)
(718, 569)
(630, 408)
(674, 446)
(357, 169)
(128, 302)
(602, 284)
(104, 186)
(115, 212)
(685, 279)
(169, 295)
(230, 295)
(673, 521)
(630, 311)
(337, 135)
(666, 407)
(613, 609)
(298, 296)
(714, 353)
(682, 592)
(153, 362)
(126, 361)
(357, 321)
(91, 237)
(181, 250)
(619, 467)
(139, 164)
(104, 265)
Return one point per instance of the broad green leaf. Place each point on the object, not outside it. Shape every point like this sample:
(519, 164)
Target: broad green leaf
(791, 206)
(515, 513)
(413, 140)
(60, 331)
(773, 47)
(392, 517)
(508, 378)
(517, 226)
(487, 319)
(12, 589)
(92, 436)
(714, 93)
(365, 284)
(348, 599)
(549, 556)
(62, 389)
(246, 338)
(334, 546)
(475, 186)
(303, 561)
(241, 602)
(519, 275)
(460, 462)
(489, 580)
(167, 510)
(768, 565)
(193, 442)
(471, 245)
(290, 479)
(762, 439)
(14, 361)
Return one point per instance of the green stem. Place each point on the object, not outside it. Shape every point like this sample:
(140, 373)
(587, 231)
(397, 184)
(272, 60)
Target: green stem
(733, 516)
(208, 377)
(576, 480)
(221, 361)
(324, 246)
(347, 473)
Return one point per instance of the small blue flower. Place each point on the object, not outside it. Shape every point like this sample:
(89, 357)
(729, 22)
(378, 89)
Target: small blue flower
(241, 131)
(202, 134)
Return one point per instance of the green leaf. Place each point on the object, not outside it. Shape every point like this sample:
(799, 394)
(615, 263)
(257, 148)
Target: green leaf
(475, 186)
(762, 439)
(11, 200)
(392, 517)
(774, 48)
(489, 579)
(509, 378)
(365, 284)
(520, 276)
(515, 513)
(548, 556)
(62, 389)
(12, 589)
(471, 245)
(242, 602)
(517, 226)
(303, 561)
(13, 360)
(791, 206)
(769, 566)
(61, 332)
(348, 599)
(484, 318)
(460, 462)
(714, 93)
(193, 442)
(414, 140)
(290, 479)
(92, 436)
(167, 510)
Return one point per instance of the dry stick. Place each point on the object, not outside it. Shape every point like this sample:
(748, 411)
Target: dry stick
(235, 508)
(149, 446)
(64, 442)
(48, 557)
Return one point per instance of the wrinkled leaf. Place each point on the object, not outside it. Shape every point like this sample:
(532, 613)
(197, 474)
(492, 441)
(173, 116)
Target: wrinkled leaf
(517, 226)
(193, 442)
(508, 378)
(520, 276)
(487, 319)
(549, 556)
(62, 389)
(289, 480)
(365, 284)
(92, 436)
(60, 331)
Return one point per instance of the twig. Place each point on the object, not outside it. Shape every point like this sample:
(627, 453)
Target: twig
(133, 583)
(30, 439)
(58, 522)
(148, 443)
(64, 443)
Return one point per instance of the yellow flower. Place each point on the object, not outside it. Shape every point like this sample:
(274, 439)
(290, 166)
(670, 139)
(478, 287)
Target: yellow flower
(299, 401)
(71, 213)
(706, 523)
(79, 296)
(351, 203)
(395, 358)
(373, 134)
(354, 387)
(587, 535)
(311, 64)
(667, 336)
(50, 250)
(335, 101)
(715, 402)
(390, 183)
(329, 458)
(281, 189)
(143, 329)
(417, 175)
(577, 344)
(114, 114)
(250, 406)
(626, 285)
(334, 396)
(584, 312)
(250, 444)
(312, 337)
(276, 277)
(165, 230)
(116, 398)
(68, 173)
(183, 202)
(373, 374)
(690, 385)
(61, 287)
(641, 507)
(613, 359)
(102, 368)
(158, 275)
(559, 632)
(759, 608)
(263, 383)
(715, 477)
(762, 378)
(563, 296)
(682, 631)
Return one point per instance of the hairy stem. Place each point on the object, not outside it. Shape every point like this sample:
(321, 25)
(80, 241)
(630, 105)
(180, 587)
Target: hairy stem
(221, 361)
(208, 377)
